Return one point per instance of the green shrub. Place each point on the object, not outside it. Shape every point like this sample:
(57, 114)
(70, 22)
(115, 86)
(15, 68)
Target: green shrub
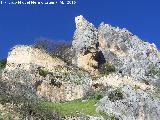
(56, 83)
(28, 107)
(115, 95)
(43, 73)
(6, 116)
(107, 68)
(154, 70)
(3, 63)
(59, 49)
(157, 91)
(108, 116)
(96, 94)
(38, 112)
(145, 40)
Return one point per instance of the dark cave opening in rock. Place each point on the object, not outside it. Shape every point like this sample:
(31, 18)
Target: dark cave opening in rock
(100, 58)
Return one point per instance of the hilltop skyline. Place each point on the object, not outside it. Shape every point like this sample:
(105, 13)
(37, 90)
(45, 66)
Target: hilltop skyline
(25, 24)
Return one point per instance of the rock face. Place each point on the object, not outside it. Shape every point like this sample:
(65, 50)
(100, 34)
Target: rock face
(130, 93)
(129, 54)
(85, 44)
(64, 84)
(85, 35)
(32, 72)
(59, 84)
(27, 56)
(130, 104)
(117, 80)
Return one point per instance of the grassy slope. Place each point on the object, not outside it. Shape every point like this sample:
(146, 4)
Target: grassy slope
(86, 107)
(77, 107)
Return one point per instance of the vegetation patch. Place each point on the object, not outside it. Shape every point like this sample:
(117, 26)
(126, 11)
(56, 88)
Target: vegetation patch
(98, 93)
(26, 107)
(154, 71)
(94, 95)
(115, 95)
(3, 63)
(77, 108)
(43, 73)
(107, 68)
(83, 107)
(59, 49)
(43, 110)
(55, 83)
(157, 91)
(108, 116)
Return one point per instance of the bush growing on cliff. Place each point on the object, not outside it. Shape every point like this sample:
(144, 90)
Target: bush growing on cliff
(3, 63)
(154, 71)
(27, 108)
(43, 72)
(115, 95)
(107, 68)
(56, 48)
(98, 92)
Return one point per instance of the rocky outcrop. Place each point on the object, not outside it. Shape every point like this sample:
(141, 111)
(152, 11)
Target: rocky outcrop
(59, 84)
(85, 35)
(117, 80)
(27, 56)
(128, 53)
(128, 103)
(64, 84)
(85, 45)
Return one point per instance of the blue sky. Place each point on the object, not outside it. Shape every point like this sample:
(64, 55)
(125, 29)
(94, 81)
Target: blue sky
(24, 24)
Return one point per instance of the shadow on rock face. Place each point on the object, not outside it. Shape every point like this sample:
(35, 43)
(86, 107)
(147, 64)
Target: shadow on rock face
(100, 58)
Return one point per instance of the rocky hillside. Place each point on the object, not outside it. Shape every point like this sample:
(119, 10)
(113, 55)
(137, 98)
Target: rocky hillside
(119, 47)
(107, 74)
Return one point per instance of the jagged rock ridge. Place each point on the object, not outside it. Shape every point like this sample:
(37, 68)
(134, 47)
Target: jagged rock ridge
(128, 53)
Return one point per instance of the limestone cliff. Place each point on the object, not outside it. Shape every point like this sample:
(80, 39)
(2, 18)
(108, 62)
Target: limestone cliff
(128, 53)
(27, 56)
(110, 67)
(85, 45)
